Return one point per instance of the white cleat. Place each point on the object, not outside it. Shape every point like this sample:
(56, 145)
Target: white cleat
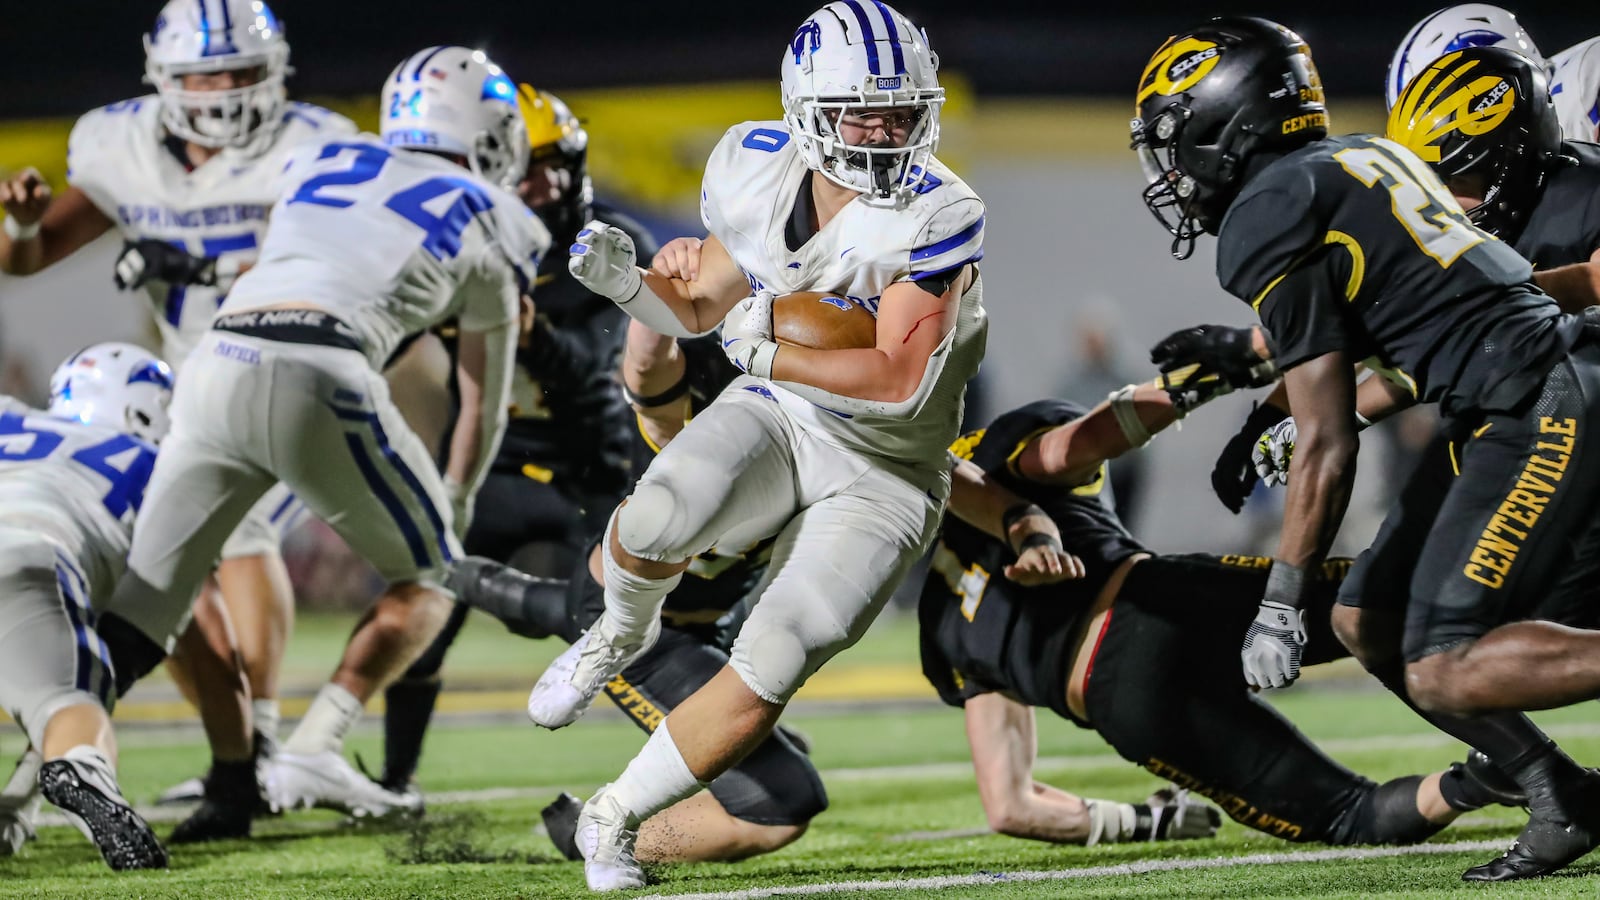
(568, 687)
(326, 780)
(19, 804)
(605, 837)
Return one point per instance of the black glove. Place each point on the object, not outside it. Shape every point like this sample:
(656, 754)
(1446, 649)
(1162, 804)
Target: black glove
(149, 259)
(1234, 476)
(1219, 350)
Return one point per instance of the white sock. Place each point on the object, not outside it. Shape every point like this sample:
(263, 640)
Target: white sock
(326, 722)
(267, 717)
(633, 603)
(655, 779)
(101, 771)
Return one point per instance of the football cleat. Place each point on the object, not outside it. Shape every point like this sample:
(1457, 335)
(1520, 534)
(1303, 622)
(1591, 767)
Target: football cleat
(605, 838)
(568, 687)
(1496, 784)
(87, 792)
(19, 804)
(327, 781)
(561, 824)
(231, 794)
(1563, 827)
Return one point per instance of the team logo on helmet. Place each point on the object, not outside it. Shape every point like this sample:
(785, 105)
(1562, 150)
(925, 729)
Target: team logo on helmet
(1445, 99)
(1178, 66)
(807, 40)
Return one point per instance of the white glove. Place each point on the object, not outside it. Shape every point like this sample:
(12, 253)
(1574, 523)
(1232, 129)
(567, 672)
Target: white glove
(1272, 646)
(603, 260)
(1273, 452)
(747, 335)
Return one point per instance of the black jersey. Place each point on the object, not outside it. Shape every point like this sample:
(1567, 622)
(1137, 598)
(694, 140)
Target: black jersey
(1352, 244)
(569, 424)
(981, 633)
(1564, 226)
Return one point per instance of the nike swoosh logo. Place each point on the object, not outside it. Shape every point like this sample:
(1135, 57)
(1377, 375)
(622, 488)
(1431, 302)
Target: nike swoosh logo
(846, 250)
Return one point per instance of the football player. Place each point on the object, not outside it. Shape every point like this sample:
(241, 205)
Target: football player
(564, 462)
(373, 240)
(1575, 88)
(839, 454)
(71, 480)
(186, 176)
(1448, 30)
(1351, 248)
(1140, 650)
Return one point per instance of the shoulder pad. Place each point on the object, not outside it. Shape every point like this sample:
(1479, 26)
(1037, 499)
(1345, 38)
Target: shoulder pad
(950, 237)
(1268, 227)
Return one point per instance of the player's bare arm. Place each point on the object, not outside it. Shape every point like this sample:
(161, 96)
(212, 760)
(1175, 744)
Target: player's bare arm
(653, 368)
(481, 375)
(911, 325)
(1575, 287)
(1322, 394)
(41, 228)
(1072, 454)
(1001, 733)
(1028, 530)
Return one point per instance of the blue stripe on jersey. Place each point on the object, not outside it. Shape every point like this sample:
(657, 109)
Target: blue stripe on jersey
(869, 37)
(282, 508)
(430, 53)
(411, 481)
(932, 273)
(894, 38)
(949, 243)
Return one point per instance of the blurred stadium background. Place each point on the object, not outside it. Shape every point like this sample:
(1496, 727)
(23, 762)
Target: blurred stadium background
(1079, 280)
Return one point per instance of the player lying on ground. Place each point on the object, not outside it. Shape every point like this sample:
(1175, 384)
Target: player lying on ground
(1136, 652)
(1350, 248)
(71, 480)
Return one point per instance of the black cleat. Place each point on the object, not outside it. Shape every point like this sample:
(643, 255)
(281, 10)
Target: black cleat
(232, 795)
(1495, 784)
(561, 823)
(1561, 830)
(124, 839)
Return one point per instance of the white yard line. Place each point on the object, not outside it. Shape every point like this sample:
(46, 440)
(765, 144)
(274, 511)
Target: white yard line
(919, 770)
(940, 882)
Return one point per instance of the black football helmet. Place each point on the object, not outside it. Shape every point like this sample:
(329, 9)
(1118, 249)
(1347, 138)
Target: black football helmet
(1209, 100)
(1484, 110)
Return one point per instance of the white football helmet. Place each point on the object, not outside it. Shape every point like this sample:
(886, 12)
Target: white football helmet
(1455, 28)
(114, 385)
(203, 36)
(455, 100)
(857, 55)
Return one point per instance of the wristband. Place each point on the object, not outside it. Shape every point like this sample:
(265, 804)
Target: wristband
(1039, 539)
(1127, 415)
(1362, 421)
(18, 231)
(1017, 513)
(1285, 584)
(667, 396)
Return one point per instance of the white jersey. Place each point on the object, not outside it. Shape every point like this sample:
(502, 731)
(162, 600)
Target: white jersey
(391, 242)
(77, 485)
(119, 155)
(751, 184)
(1575, 88)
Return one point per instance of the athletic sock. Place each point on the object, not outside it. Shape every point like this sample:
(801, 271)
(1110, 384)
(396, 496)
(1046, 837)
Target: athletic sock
(633, 603)
(655, 779)
(329, 718)
(408, 708)
(266, 717)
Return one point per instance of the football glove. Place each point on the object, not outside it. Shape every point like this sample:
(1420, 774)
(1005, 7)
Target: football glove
(603, 260)
(1190, 388)
(1234, 477)
(149, 259)
(1273, 645)
(1226, 352)
(747, 335)
(1273, 452)
(1177, 816)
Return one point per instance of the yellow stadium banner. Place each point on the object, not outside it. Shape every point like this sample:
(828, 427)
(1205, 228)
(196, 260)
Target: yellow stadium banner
(648, 144)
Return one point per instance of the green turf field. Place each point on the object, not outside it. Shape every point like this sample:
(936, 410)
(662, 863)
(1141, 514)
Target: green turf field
(903, 808)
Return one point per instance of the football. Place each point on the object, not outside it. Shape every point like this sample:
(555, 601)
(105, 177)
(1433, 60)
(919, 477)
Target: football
(822, 321)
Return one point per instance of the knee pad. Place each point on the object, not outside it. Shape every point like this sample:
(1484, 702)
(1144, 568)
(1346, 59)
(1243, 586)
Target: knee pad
(773, 662)
(650, 525)
(775, 785)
